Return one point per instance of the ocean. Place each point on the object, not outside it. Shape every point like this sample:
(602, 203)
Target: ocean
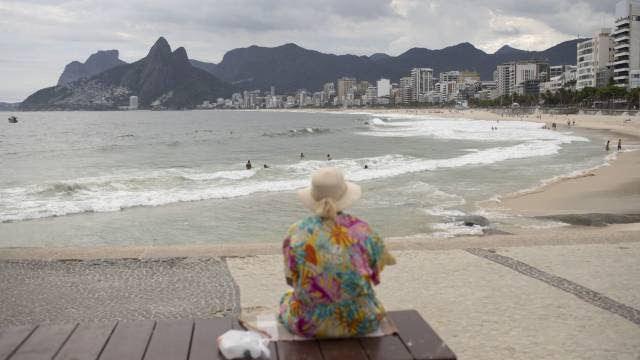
(179, 177)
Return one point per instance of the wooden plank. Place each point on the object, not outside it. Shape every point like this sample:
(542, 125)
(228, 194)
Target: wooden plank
(272, 345)
(299, 350)
(170, 340)
(45, 342)
(385, 348)
(128, 341)
(419, 337)
(342, 349)
(205, 333)
(12, 337)
(87, 341)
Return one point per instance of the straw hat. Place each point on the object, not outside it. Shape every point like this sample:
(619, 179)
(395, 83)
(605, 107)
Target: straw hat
(329, 183)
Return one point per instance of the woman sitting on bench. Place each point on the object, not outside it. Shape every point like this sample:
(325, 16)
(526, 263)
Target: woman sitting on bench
(331, 260)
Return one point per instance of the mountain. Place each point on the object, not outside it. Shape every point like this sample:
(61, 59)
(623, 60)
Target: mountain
(163, 79)
(5, 106)
(208, 67)
(379, 56)
(95, 64)
(290, 67)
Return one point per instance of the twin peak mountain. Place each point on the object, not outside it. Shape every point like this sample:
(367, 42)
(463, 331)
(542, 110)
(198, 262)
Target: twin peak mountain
(169, 79)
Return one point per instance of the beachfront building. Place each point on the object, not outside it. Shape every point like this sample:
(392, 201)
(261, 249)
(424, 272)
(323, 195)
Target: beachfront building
(447, 76)
(133, 102)
(563, 80)
(345, 85)
(626, 37)
(511, 74)
(384, 88)
(421, 83)
(592, 55)
(405, 90)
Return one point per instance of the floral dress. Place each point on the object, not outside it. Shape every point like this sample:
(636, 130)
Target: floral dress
(331, 266)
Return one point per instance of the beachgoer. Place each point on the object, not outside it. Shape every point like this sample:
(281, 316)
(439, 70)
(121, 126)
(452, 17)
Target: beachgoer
(619, 144)
(366, 166)
(265, 166)
(574, 123)
(606, 147)
(332, 260)
(301, 155)
(328, 157)
(248, 166)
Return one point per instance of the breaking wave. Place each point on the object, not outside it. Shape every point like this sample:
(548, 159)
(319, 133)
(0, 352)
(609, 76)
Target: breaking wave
(299, 132)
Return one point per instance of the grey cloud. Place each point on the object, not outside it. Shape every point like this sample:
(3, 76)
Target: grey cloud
(44, 35)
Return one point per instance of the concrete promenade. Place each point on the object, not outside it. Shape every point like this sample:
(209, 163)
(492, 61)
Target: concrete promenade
(557, 297)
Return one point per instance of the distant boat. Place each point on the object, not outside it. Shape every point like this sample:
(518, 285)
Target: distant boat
(13, 119)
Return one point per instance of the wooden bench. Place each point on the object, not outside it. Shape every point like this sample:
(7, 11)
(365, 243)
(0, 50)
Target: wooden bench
(196, 340)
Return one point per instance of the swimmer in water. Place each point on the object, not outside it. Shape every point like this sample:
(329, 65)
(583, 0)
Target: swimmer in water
(248, 166)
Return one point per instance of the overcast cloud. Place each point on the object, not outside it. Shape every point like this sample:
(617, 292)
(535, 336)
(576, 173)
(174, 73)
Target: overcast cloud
(39, 37)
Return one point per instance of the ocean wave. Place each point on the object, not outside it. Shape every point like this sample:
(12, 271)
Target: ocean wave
(300, 132)
(465, 129)
(166, 186)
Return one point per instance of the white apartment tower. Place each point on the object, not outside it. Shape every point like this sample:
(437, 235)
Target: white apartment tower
(592, 56)
(421, 83)
(384, 87)
(626, 37)
(511, 74)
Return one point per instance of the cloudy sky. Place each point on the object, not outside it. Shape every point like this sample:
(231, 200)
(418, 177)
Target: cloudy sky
(39, 37)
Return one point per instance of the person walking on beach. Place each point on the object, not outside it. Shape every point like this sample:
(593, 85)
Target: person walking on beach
(332, 260)
(328, 157)
(301, 156)
(619, 144)
(248, 166)
(606, 147)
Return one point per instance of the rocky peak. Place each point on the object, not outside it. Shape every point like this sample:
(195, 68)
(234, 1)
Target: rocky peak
(160, 49)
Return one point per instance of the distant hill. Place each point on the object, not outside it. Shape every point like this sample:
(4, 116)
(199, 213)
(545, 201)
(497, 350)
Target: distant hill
(95, 64)
(161, 79)
(5, 106)
(290, 67)
(208, 67)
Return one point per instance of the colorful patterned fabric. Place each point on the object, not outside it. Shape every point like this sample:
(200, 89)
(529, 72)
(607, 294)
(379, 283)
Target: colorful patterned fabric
(331, 266)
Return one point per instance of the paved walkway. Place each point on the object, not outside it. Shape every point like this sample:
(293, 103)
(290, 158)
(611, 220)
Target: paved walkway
(577, 300)
(488, 310)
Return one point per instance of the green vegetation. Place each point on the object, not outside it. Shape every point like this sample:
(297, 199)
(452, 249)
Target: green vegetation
(609, 97)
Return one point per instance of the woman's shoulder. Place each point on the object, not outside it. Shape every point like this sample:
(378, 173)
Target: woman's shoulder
(353, 222)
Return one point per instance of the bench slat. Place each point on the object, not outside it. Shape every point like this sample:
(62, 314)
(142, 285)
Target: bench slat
(342, 349)
(45, 342)
(12, 337)
(385, 348)
(87, 341)
(170, 340)
(299, 350)
(419, 337)
(205, 333)
(128, 341)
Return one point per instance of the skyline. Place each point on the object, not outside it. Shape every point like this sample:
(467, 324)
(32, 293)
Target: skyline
(61, 32)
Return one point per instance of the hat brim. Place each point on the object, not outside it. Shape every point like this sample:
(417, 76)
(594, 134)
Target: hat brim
(352, 194)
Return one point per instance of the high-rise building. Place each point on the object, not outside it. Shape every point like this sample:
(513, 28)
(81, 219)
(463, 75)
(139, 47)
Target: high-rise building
(626, 37)
(405, 90)
(344, 86)
(133, 102)
(593, 55)
(450, 76)
(421, 83)
(384, 87)
(514, 73)
(273, 90)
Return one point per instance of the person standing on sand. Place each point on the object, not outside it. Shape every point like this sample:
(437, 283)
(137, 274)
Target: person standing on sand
(606, 147)
(619, 144)
(301, 156)
(332, 260)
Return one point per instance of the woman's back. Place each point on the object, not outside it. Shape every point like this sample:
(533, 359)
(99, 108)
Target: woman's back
(331, 264)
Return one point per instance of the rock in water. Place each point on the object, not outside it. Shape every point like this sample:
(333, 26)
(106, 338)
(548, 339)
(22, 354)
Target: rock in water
(472, 220)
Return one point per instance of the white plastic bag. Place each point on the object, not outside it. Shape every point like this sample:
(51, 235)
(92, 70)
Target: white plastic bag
(236, 344)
